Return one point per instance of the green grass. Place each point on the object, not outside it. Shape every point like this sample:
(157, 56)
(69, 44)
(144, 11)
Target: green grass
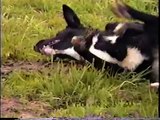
(83, 92)
(69, 91)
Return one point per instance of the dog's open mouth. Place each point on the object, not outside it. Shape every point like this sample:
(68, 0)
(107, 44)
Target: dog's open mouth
(47, 50)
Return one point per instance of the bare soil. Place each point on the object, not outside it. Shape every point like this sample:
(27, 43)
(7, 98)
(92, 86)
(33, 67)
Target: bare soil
(12, 107)
(10, 66)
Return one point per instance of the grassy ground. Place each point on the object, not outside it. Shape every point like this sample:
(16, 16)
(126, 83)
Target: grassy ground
(66, 89)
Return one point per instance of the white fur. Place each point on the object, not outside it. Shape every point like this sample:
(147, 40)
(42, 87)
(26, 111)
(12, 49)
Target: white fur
(71, 52)
(74, 38)
(111, 38)
(131, 62)
(119, 26)
(133, 59)
(155, 85)
(101, 54)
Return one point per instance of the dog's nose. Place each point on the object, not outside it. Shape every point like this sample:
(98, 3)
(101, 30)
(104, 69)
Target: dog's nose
(38, 46)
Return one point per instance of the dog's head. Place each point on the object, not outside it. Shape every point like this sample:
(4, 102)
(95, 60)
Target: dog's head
(60, 45)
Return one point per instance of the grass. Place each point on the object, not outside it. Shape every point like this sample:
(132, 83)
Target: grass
(83, 92)
(69, 91)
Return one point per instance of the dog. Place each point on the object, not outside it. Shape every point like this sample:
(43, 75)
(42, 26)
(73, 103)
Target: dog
(60, 46)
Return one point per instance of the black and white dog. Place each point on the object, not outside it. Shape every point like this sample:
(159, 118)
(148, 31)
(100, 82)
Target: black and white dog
(151, 30)
(122, 46)
(60, 45)
(126, 45)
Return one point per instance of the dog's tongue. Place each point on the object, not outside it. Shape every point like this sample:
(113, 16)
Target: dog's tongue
(49, 51)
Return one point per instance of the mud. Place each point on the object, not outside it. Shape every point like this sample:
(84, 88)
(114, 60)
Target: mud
(12, 107)
(10, 66)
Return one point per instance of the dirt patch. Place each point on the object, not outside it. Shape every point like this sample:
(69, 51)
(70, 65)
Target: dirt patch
(13, 107)
(10, 66)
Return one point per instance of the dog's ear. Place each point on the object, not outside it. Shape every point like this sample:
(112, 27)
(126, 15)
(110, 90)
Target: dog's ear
(120, 9)
(70, 17)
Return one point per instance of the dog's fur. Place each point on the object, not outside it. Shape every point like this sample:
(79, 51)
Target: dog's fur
(151, 24)
(104, 45)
